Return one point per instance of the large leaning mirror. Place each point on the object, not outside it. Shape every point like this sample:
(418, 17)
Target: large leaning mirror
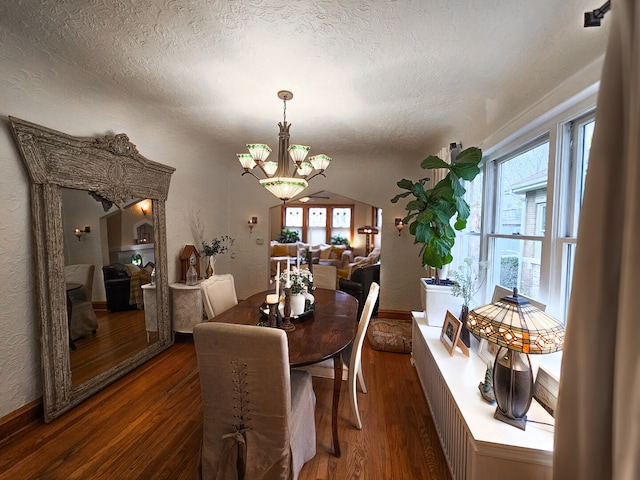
(98, 214)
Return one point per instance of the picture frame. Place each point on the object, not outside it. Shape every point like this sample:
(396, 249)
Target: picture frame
(487, 351)
(450, 334)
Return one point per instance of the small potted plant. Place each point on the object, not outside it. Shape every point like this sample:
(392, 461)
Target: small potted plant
(467, 281)
(218, 246)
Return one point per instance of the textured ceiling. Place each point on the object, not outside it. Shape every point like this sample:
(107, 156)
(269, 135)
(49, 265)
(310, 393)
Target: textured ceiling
(367, 76)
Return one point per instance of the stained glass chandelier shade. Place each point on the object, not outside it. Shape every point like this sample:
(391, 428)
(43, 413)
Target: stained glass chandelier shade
(282, 179)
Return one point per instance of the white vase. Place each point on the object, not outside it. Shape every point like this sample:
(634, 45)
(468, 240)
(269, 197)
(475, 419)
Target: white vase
(211, 270)
(297, 304)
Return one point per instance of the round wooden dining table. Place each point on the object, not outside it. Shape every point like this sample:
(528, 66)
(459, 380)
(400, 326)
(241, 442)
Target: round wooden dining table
(318, 336)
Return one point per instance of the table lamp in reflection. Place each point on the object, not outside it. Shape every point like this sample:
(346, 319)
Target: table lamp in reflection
(519, 329)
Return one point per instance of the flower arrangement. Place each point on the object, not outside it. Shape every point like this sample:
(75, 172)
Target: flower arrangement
(300, 279)
(468, 280)
(218, 246)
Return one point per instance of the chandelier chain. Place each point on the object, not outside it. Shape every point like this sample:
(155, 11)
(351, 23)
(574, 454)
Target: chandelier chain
(284, 110)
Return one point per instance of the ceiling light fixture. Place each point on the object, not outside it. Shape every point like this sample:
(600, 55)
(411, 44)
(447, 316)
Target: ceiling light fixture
(283, 180)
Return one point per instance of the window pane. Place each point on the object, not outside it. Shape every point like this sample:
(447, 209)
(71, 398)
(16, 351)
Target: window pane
(293, 217)
(587, 136)
(341, 218)
(569, 258)
(583, 145)
(467, 243)
(342, 232)
(523, 187)
(317, 217)
(317, 231)
(516, 263)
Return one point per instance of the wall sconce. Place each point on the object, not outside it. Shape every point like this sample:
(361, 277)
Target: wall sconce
(399, 226)
(78, 232)
(144, 206)
(253, 221)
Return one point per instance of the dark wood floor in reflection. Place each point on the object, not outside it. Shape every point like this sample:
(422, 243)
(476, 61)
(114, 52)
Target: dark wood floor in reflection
(119, 336)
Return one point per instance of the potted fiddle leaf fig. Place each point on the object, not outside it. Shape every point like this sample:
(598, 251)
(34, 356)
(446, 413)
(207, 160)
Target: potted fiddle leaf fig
(432, 210)
(430, 217)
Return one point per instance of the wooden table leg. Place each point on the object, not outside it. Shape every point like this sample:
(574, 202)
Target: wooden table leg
(337, 385)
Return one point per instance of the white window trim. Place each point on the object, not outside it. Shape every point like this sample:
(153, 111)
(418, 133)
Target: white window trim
(550, 125)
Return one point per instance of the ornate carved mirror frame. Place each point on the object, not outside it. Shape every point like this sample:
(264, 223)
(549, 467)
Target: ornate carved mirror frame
(112, 168)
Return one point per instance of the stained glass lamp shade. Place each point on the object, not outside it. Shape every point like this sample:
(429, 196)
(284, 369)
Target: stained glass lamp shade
(519, 329)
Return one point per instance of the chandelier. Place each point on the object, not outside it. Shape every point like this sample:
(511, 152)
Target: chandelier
(281, 179)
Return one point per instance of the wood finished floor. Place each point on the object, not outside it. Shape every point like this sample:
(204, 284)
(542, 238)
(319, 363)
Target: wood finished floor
(148, 426)
(119, 336)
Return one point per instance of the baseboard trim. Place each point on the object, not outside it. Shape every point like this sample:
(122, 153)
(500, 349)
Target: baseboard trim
(20, 419)
(99, 305)
(395, 314)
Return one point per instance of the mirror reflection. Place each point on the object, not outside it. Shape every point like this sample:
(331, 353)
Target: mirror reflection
(109, 277)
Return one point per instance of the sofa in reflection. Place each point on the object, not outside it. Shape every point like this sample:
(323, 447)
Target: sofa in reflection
(123, 285)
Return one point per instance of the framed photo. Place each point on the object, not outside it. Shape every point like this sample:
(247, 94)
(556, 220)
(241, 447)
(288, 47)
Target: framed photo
(450, 335)
(487, 351)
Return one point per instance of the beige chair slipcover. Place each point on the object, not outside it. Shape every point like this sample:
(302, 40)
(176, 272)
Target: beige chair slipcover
(218, 294)
(255, 409)
(351, 357)
(324, 276)
(83, 317)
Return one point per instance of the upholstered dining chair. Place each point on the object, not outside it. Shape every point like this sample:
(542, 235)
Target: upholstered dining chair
(83, 318)
(351, 357)
(218, 294)
(258, 415)
(324, 276)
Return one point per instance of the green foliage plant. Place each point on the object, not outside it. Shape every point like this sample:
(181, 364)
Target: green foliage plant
(430, 211)
(340, 240)
(467, 280)
(288, 236)
(218, 246)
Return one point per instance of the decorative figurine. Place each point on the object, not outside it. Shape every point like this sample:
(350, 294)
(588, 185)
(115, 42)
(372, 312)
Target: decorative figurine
(486, 387)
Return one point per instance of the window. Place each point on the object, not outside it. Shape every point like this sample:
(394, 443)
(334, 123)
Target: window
(515, 246)
(317, 230)
(317, 224)
(341, 222)
(532, 201)
(293, 219)
(579, 132)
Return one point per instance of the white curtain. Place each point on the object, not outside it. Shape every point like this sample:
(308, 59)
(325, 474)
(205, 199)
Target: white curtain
(597, 434)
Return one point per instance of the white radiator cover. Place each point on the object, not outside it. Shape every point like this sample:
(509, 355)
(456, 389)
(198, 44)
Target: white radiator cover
(476, 446)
